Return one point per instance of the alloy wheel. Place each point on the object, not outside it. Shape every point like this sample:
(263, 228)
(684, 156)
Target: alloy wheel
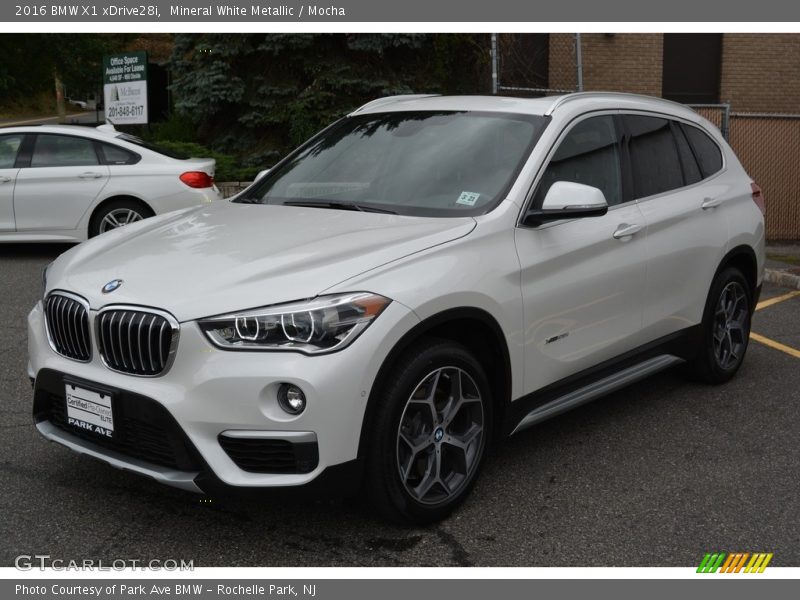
(119, 217)
(441, 436)
(731, 325)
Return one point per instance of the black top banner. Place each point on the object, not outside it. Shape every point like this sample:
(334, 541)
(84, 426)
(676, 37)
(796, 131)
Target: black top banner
(154, 11)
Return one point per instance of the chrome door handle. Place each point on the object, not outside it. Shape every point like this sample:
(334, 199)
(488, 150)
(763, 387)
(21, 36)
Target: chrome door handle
(5, 179)
(626, 230)
(90, 175)
(710, 203)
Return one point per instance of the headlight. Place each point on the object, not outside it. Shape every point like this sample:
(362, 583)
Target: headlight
(324, 324)
(44, 279)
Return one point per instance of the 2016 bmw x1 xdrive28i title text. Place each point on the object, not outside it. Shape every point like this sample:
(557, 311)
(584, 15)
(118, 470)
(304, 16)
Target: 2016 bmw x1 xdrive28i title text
(421, 279)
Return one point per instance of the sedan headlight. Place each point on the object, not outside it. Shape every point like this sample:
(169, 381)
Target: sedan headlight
(44, 279)
(324, 324)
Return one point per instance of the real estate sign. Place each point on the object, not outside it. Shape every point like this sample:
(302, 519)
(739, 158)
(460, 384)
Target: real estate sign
(125, 87)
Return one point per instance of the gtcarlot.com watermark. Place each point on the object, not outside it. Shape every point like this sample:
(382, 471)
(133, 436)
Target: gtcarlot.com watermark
(30, 562)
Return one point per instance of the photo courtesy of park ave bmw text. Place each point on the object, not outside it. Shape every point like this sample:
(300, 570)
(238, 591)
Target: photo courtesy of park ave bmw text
(301, 286)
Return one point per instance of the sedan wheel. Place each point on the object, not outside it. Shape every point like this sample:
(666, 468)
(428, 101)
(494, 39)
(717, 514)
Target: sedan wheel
(116, 213)
(118, 218)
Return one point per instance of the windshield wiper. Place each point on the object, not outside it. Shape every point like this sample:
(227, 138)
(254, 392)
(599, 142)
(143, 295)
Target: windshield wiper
(247, 200)
(339, 205)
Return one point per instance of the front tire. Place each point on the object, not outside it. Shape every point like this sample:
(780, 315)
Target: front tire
(430, 434)
(725, 329)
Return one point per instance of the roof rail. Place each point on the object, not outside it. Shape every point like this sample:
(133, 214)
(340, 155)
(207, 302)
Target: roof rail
(561, 100)
(391, 100)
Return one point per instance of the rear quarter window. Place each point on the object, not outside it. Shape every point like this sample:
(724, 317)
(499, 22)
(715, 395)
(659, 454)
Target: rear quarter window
(114, 155)
(705, 149)
(691, 170)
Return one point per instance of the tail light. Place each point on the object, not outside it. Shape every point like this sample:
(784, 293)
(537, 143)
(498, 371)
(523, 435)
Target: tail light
(758, 198)
(197, 179)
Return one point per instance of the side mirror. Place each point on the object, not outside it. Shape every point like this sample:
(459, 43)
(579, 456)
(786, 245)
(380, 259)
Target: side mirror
(568, 200)
(261, 174)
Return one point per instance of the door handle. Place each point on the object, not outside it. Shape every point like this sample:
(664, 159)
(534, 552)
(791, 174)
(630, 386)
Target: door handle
(90, 175)
(5, 179)
(710, 203)
(626, 230)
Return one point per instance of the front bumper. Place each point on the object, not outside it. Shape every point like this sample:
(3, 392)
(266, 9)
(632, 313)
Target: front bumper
(210, 392)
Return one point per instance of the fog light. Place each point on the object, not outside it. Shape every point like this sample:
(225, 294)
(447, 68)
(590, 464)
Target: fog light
(291, 399)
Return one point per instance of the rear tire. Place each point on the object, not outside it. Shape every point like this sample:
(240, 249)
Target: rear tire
(118, 213)
(725, 330)
(429, 437)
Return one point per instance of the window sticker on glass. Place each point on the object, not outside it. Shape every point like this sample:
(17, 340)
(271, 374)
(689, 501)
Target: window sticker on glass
(468, 198)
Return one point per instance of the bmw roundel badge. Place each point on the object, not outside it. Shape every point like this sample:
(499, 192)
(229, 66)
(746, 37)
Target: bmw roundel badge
(112, 285)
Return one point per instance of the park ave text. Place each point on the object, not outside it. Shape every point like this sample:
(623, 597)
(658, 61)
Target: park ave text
(176, 589)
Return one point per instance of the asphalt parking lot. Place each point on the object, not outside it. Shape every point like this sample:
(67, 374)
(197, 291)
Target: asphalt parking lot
(654, 475)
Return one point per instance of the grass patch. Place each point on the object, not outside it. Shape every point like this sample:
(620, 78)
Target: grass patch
(786, 258)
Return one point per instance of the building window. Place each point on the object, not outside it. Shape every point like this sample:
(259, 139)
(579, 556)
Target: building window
(691, 67)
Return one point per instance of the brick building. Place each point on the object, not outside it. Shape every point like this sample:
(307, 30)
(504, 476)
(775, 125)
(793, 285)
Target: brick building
(755, 72)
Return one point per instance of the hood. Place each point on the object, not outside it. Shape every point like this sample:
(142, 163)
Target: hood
(227, 257)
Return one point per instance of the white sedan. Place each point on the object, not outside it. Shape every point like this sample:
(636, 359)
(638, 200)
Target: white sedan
(65, 183)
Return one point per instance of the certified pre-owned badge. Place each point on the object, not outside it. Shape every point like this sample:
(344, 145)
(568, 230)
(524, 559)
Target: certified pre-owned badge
(112, 285)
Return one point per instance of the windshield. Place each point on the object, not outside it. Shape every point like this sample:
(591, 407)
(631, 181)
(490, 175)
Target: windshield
(411, 163)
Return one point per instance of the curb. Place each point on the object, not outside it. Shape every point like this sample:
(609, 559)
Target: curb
(782, 278)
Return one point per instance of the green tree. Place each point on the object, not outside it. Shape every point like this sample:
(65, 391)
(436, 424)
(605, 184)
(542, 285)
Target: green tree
(33, 62)
(269, 92)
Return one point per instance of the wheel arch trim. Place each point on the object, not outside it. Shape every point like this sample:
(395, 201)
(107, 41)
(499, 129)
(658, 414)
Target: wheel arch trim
(426, 327)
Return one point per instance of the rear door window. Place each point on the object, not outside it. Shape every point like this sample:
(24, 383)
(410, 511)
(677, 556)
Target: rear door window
(63, 151)
(9, 148)
(705, 149)
(654, 156)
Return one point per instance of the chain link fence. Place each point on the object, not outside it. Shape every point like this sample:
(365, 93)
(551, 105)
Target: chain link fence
(768, 145)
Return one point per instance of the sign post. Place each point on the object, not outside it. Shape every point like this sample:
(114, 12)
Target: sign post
(125, 88)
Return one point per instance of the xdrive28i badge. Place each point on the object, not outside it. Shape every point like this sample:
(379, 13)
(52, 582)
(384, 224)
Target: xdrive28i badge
(112, 285)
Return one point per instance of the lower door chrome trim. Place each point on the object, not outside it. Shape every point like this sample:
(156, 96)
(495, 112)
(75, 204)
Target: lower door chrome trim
(598, 388)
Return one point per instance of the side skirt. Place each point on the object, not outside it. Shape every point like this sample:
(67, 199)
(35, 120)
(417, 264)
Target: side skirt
(602, 379)
(597, 389)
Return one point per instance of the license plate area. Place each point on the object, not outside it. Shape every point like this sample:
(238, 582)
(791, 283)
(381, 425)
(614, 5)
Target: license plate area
(89, 410)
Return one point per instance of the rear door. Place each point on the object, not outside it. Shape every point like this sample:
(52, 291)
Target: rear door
(687, 232)
(9, 149)
(582, 279)
(59, 183)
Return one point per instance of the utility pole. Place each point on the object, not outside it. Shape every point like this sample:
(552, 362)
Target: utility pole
(494, 64)
(578, 62)
(60, 105)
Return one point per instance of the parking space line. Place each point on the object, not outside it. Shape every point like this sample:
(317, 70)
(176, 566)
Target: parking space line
(776, 345)
(776, 300)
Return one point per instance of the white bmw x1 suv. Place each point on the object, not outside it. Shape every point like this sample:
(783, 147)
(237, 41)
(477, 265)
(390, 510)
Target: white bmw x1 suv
(421, 279)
